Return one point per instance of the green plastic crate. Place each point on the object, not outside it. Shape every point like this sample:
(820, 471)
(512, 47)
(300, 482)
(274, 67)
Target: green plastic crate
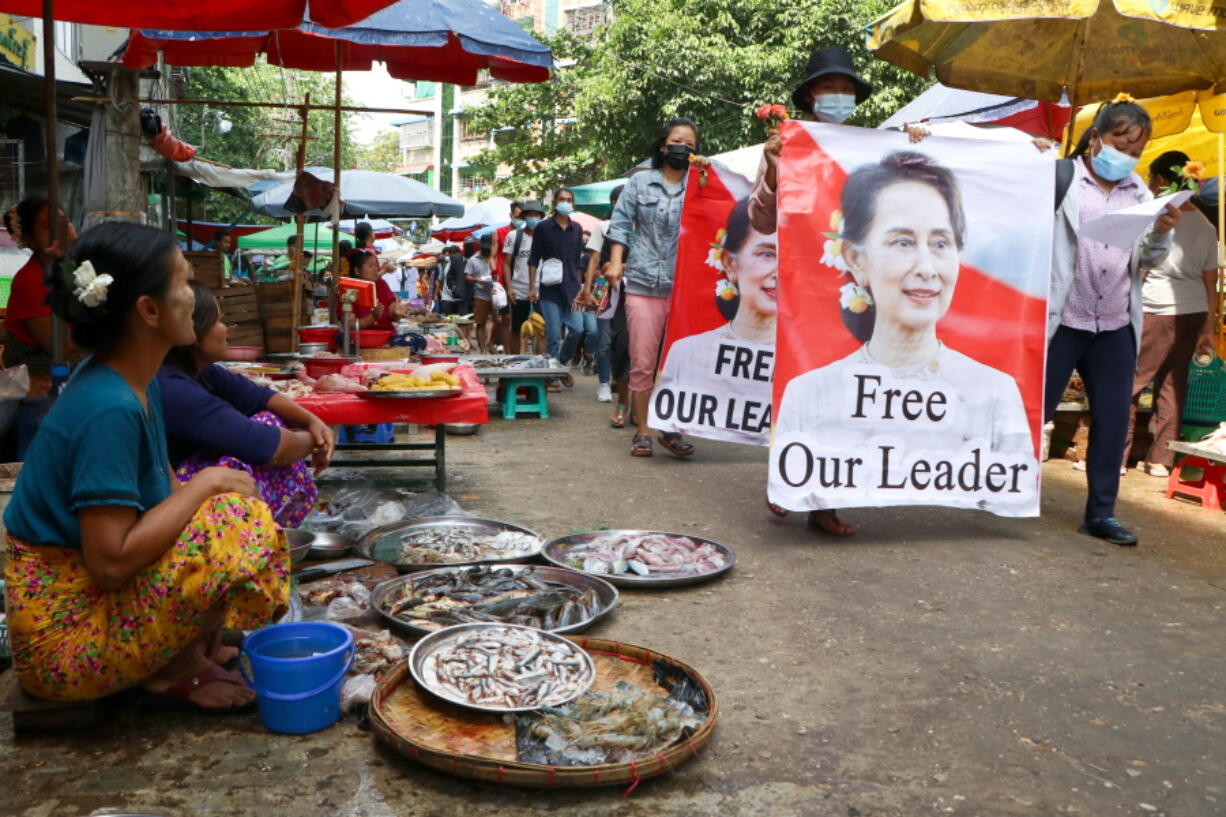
(1205, 403)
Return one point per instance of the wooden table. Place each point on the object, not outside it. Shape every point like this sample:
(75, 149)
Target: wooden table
(470, 407)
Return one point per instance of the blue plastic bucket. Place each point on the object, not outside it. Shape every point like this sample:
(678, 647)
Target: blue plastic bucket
(297, 670)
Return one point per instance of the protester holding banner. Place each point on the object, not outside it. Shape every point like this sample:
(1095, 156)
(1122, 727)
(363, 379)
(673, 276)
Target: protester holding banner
(650, 209)
(830, 92)
(1095, 302)
(1177, 320)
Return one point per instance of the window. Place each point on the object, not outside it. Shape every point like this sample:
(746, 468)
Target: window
(469, 133)
(416, 135)
(583, 22)
(474, 182)
(66, 39)
(425, 90)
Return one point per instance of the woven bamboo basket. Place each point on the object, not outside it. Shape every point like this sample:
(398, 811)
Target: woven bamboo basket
(481, 745)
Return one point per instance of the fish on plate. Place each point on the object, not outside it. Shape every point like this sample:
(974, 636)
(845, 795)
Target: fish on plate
(651, 554)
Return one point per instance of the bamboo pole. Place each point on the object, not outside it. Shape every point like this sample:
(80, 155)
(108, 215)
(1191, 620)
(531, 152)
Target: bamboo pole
(300, 221)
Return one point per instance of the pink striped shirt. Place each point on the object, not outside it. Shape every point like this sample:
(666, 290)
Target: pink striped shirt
(1102, 288)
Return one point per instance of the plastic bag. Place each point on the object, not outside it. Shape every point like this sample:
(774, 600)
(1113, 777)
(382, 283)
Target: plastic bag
(354, 606)
(365, 508)
(498, 296)
(357, 691)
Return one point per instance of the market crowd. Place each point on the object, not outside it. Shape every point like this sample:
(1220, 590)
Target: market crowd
(149, 512)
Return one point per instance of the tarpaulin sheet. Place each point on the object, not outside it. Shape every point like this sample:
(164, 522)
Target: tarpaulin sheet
(350, 409)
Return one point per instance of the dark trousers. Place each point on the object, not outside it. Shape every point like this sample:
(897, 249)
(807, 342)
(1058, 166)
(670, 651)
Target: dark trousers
(1106, 362)
(1167, 345)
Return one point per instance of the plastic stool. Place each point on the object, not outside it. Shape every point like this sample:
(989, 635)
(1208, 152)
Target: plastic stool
(381, 434)
(1210, 489)
(536, 401)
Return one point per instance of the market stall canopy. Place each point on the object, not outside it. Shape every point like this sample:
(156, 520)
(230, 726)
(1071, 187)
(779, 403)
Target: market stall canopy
(435, 40)
(367, 193)
(496, 210)
(317, 239)
(212, 15)
(943, 104)
(1037, 50)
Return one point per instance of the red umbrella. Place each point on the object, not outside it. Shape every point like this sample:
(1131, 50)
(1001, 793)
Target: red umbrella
(436, 40)
(208, 15)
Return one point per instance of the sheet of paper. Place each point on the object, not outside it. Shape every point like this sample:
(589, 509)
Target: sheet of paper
(1123, 227)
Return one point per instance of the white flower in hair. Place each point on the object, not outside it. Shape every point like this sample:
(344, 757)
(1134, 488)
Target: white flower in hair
(91, 287)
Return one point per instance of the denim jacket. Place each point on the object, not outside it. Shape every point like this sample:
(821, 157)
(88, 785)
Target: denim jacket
(649, 212)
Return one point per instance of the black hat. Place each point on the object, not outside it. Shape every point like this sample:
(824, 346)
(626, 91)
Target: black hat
(533, 206)
(832, 60)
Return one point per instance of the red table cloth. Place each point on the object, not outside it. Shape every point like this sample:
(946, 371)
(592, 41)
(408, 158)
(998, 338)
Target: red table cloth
(350, 409)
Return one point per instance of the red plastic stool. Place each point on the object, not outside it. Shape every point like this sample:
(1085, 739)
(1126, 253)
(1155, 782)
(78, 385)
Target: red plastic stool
(1210, 489)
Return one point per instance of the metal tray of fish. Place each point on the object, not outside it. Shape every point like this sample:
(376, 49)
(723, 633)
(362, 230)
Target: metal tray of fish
(448, 536)
(533, 668)
(412, 394)
(561, 552)
(489, 589)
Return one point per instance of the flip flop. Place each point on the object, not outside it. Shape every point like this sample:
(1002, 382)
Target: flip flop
(617, 422)
(775, 509)
(641, 446)
(181, 692)
(676, 446)
(833, 519)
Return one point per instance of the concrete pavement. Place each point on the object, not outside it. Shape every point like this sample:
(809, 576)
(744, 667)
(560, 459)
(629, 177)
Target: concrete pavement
(939, 662)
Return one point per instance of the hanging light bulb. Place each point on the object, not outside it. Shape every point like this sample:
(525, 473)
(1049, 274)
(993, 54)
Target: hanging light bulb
(224, 125)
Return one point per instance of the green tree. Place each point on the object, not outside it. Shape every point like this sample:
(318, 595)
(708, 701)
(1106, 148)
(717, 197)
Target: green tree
(258, 137)
(382, 154)
(714, 61)
(537, 137)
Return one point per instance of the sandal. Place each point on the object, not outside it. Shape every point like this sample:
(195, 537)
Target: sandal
(553, 387)
(828, 522)
(617, 420)
(181, 692)
(777, 510)
(675, 445)
(641, 446)
(567, 381)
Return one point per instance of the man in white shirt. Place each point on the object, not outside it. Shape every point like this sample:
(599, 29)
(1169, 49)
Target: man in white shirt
(516, 250)
(1177, 299)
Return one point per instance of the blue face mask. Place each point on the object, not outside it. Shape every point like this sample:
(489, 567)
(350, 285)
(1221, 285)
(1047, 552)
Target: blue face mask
(833, 108)
(1111, 164)
(565, 208)
(531, 221)
(517, 223)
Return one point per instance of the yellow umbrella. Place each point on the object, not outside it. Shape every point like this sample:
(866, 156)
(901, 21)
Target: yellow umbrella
(1036, 49)
(1194, 122)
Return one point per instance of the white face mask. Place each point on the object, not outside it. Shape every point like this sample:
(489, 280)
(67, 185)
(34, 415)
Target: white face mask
(833, 108)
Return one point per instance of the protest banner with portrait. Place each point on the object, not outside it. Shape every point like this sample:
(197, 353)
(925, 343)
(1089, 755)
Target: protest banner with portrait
(912, 321)
(718, 355)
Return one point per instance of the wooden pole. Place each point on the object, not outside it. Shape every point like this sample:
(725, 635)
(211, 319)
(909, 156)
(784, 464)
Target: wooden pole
(300, 221)
(1219, 308)
(59, 329)
(336, 181)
